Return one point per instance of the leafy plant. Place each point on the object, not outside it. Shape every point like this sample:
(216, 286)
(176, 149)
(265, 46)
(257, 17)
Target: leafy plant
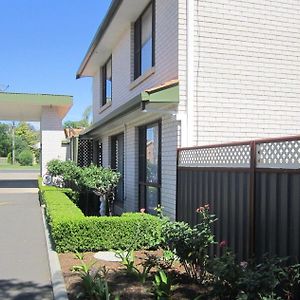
(289, 278)
(127, 260)
(260, 280)
(162, 285)
(226, 275)
(94, 283)
(267, 279)
(190, 244)
(147, 265)
(167, 259)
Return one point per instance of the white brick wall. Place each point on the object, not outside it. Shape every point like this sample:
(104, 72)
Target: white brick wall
(131, 168)
(166, 53)
(246, 79)
(168, 163)
(130, 126)
(52, 135)
(247, 68)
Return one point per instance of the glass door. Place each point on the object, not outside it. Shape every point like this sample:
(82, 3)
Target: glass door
(150, 166)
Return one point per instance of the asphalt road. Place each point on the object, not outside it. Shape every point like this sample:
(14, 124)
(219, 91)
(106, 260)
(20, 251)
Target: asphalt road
(24, 266)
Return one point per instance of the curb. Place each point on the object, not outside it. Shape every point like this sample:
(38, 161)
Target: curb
(57, 279)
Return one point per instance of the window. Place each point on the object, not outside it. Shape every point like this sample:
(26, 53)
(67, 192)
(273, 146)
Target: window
(144, 41)
(150, 166)
(107, 82)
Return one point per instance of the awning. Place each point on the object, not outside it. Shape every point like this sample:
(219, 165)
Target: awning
(165, 93)
(28, 107)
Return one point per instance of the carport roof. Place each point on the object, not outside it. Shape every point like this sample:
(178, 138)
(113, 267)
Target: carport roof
(28, 107)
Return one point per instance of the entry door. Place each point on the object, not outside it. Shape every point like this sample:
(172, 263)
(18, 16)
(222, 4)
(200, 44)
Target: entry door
(117, 163)
(150, 166)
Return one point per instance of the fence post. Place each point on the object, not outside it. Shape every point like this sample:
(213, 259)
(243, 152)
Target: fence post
(252, 198)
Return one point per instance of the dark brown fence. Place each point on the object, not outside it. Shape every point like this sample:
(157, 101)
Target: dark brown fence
(252, 187)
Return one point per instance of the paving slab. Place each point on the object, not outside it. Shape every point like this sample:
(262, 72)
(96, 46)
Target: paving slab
(107, 256)
(24, 266)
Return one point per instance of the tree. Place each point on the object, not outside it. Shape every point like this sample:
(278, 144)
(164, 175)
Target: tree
(26, 137)
(5, 140)
(83, 123)
(27, 133)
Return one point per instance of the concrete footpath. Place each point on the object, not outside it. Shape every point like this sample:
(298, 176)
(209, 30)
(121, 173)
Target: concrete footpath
(24, 266)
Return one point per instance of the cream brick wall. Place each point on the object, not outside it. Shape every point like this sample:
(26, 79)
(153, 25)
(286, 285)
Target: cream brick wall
(166, 62)
(247, 69)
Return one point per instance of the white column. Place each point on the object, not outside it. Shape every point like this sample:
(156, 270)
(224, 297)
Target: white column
(52, 135)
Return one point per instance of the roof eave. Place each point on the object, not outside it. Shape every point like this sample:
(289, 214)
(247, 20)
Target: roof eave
(167, 94)
(100, 32)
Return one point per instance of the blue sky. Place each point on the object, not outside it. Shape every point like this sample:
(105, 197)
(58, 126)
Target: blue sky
(42, 43)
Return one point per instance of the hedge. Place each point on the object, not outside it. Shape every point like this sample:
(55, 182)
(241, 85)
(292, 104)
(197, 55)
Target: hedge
(71, 230)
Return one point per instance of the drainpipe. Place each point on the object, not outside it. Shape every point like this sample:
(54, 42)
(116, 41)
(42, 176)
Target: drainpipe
(190, 80)
(13, 143)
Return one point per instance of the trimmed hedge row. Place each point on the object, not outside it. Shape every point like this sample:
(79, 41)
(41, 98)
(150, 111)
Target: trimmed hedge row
(71, 230)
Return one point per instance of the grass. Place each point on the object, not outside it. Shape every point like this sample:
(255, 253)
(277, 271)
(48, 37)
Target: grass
(18, 167)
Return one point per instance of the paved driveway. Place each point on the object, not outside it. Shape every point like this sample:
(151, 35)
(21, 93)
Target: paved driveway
(24, 267)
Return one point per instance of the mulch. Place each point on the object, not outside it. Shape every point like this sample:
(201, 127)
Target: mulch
(127, 286)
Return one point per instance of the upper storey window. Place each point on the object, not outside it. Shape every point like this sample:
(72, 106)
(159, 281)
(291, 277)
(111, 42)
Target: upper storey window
(107, 82)
(144, 41)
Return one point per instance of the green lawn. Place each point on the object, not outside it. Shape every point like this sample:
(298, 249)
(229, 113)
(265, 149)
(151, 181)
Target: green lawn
(18, 167)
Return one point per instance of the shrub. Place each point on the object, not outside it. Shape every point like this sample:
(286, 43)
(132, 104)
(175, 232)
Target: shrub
(226, 275)
(268, 278)
(9, 158)
(71, 230)
(103, 180)
(25, 158)
(190, 244)
(67, 170)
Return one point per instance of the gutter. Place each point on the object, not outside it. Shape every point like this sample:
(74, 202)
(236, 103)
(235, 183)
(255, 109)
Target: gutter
(99, 34)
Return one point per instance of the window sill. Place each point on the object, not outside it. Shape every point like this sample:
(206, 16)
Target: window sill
(142, 78)
(104, 107)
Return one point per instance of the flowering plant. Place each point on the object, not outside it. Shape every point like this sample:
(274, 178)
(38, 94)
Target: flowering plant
(191, 244)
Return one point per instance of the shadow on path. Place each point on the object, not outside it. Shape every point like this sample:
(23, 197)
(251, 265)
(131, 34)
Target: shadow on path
(18, 183)
(28, 290)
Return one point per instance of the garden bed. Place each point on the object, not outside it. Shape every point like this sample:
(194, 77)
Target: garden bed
(120, 283)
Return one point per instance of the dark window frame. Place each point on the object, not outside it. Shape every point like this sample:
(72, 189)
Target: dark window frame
(138, 40)
(143, 184)
(104, 78)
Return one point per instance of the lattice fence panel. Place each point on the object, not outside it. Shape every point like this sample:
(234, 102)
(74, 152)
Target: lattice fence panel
(85, 152)
(284, 154)
(236, 156)
(99, 156)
